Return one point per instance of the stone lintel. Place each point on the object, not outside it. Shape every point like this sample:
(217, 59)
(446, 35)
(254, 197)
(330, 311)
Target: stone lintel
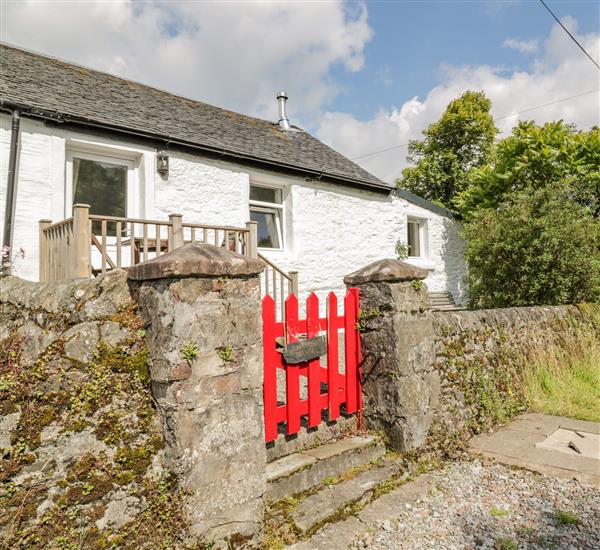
(196, 260)
(387, 270)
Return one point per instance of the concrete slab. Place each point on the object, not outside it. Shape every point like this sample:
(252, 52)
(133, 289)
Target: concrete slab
(331, 499)
(531, 442)
(573, 443)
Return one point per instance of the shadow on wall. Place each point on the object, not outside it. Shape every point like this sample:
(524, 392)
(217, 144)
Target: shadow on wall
(452, 254)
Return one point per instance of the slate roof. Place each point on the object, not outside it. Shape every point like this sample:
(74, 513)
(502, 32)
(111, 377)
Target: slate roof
(49, 87)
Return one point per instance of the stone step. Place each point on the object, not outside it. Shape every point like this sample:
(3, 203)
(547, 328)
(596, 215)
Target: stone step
(445, 308)
(336, 500)
(298, 472)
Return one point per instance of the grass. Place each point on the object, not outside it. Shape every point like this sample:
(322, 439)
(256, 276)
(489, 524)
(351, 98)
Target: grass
(566, 381)
(504, 543)
(565, 518)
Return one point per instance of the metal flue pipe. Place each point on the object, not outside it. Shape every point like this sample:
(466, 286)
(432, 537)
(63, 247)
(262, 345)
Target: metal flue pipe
(284, 123)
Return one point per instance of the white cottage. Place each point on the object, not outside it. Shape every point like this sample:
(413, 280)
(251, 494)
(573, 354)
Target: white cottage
(72, 135)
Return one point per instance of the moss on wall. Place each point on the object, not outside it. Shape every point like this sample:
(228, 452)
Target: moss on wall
(482, 357)
(81, 461)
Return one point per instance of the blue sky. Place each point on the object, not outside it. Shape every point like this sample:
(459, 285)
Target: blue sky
(412, 39)
(361, 76)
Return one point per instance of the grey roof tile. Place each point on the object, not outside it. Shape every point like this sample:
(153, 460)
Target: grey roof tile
(81, 94)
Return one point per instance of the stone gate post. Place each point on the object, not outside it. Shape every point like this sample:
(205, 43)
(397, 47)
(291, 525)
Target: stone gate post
(400, 385)
(201, 305)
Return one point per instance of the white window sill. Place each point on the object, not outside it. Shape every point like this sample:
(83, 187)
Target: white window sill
(425, 263)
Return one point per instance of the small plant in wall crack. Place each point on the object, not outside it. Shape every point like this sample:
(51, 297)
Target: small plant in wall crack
(190, 351)
(225, 353)
(416, 284)
(364, 315)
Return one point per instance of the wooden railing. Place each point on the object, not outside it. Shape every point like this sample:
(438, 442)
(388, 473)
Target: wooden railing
(278, 284)
(88, 244)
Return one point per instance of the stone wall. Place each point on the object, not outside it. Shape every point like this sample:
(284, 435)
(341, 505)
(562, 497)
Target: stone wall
(201, 306)
(131, 406)
(81, 443)
(481, 357)
(432, 379)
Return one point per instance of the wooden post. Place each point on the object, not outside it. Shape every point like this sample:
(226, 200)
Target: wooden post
(252, 245)
(294, 282)
(176, 233)
(43, 251)
(82, 242)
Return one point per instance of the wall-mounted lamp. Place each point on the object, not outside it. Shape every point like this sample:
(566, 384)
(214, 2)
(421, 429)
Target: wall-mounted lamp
(162, 163)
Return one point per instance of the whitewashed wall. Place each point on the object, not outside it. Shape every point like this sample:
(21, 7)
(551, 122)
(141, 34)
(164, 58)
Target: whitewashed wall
(330, 230)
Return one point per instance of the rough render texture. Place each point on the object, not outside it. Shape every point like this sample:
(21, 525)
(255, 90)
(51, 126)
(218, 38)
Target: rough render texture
(400, 384)
(212, 404)
(351, 227)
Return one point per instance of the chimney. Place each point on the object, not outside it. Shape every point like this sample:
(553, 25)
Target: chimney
(284, 123)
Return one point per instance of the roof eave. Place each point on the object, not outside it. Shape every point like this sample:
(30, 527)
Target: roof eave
(63, 118)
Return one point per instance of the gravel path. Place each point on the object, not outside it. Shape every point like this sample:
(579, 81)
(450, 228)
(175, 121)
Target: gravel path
(480, 505)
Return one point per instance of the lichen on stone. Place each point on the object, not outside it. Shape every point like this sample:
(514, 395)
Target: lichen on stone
(84, 438)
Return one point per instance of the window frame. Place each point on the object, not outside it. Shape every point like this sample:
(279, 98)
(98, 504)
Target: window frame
(423, 237)
(271, 207)
(132, 199)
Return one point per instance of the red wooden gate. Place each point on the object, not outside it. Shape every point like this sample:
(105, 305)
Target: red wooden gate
(341, 388)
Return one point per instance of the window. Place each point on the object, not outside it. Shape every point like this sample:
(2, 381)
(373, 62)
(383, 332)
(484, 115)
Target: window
(266, 208)
(416, 238)
(105, 183)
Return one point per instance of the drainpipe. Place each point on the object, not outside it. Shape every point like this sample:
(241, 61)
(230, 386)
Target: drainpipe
(11, 193)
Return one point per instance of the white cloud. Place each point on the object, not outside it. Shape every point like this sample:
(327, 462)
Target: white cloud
(560, 70)
(232, 54)
(238, 54)
(523, 46)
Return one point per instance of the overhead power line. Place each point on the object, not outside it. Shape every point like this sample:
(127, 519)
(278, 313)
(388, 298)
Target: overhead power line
(372, 153)
(572, 37)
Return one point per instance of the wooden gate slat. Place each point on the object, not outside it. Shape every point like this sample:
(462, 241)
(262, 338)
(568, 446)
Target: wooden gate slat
(350, 348)
(292, 374)
(358, 354)
(335, 398)
(270, 369)
(314, 366)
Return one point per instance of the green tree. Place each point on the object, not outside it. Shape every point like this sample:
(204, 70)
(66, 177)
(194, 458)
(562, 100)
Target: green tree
(534, 157)
(460, 141)
(540, 247)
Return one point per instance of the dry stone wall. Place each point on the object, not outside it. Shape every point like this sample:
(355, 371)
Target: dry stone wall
(80, 441)
(131, 406)
(433, 379)
(481, 357)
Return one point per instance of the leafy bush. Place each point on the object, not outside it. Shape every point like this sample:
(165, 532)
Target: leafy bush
(541, 248)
